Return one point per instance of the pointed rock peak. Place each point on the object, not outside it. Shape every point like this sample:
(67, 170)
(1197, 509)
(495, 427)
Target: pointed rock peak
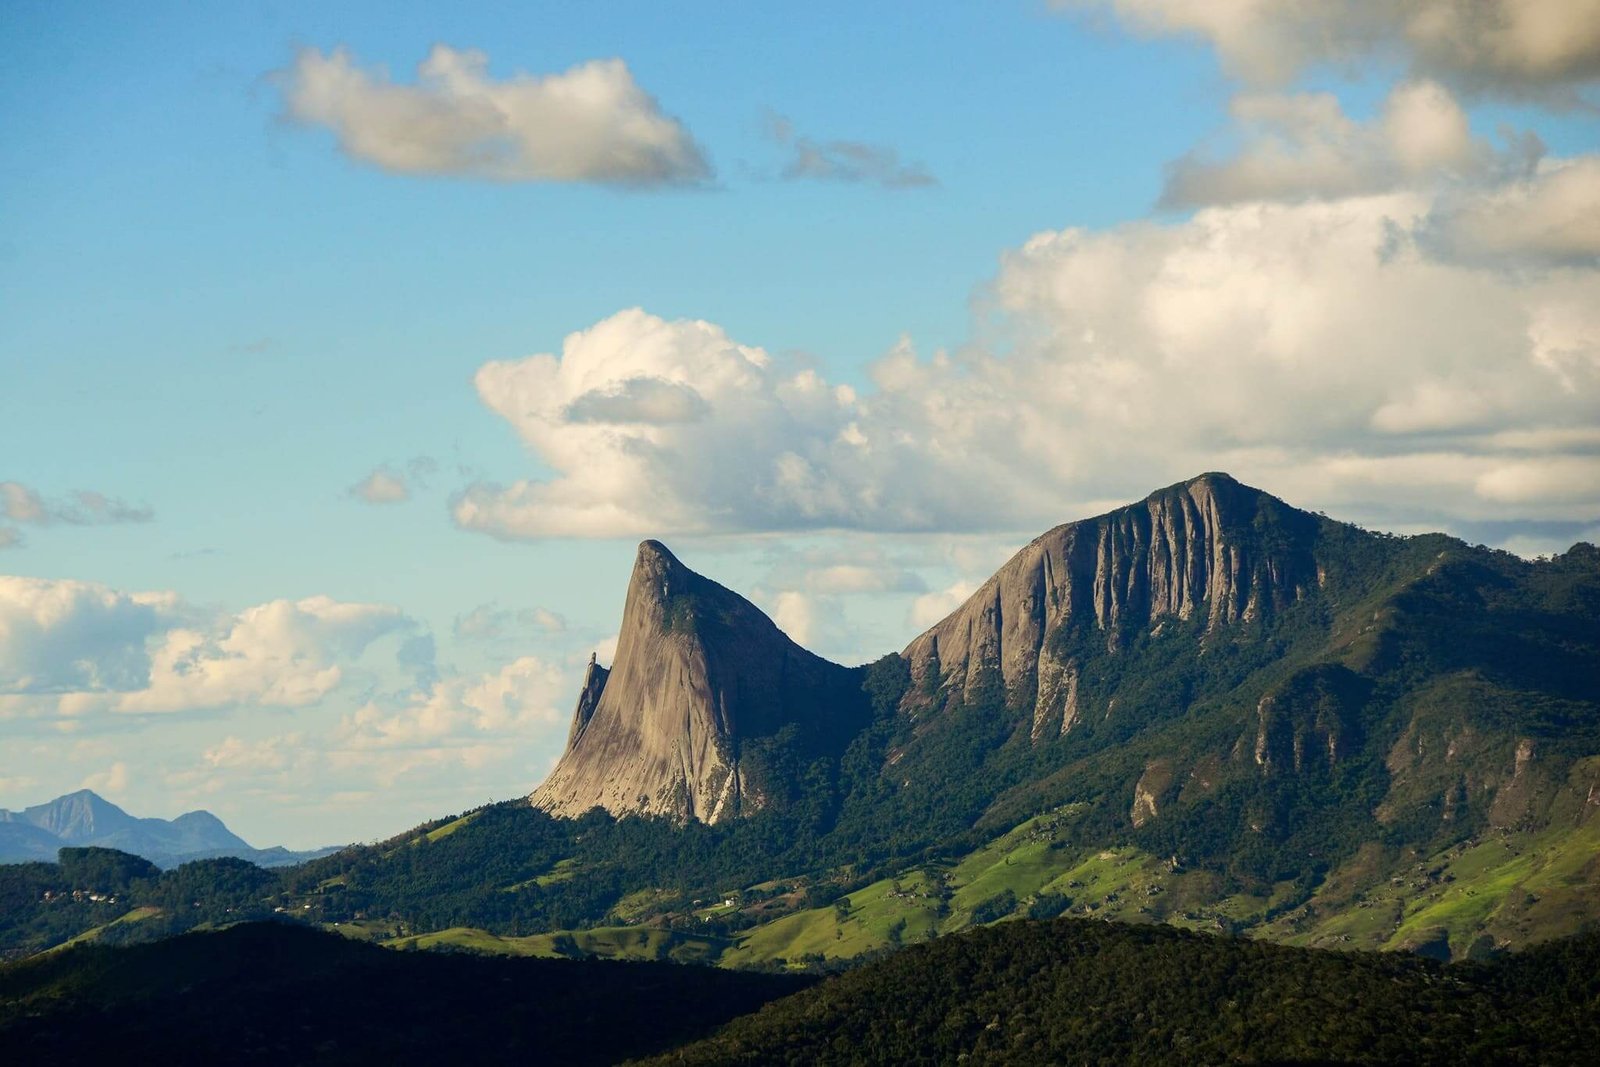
(78, 815)
(657, 574)
(653, 555)
(698, 671)
(1213, 489)
(594, 683)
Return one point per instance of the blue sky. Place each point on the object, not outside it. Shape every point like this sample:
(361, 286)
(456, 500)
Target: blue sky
(917, 281)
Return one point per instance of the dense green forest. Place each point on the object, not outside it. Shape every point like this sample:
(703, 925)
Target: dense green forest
(271, 993)
(1072, 991)
(1016, 993)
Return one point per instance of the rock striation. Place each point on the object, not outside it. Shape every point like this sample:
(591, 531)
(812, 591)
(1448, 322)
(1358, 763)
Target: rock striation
(699, 674)
(1209, 552)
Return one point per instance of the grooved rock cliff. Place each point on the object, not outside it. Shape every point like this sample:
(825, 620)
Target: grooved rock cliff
(1208, 551)
(701, 676)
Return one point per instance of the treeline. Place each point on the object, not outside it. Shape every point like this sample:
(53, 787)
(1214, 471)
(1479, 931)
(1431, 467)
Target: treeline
(46, 904)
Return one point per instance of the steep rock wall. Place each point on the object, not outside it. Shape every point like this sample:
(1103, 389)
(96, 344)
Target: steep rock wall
(699, 671)
(1208, 549)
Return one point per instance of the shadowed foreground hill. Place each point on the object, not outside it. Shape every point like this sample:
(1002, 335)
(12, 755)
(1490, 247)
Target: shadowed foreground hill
(277, 993)
(1068, 991)
(1084, 992)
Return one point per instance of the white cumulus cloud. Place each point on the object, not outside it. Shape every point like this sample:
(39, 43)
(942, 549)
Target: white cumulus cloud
(70, 648)
(282, 653)
(1549, 218)
(591, 123)
(1517, 46)
(1304, 145)
(1317, 348)
(65, 636)
(526, 694)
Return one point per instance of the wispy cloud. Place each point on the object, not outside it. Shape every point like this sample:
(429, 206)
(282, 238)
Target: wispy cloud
(489, 621)
(384, 485)
(389, 484)
(844, 161)
(82, 507)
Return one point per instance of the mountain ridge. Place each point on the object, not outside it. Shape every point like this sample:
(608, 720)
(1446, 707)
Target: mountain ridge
(1396, 747)
(84, 818)
(1282, 709)
(1183, 549)
(1229, 568)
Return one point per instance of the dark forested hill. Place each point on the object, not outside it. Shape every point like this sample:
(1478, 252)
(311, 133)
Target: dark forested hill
(1072, 991)
(1068, 991)
(275, 993)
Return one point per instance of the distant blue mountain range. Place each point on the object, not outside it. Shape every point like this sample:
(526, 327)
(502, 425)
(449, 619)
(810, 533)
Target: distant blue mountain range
(86, 818)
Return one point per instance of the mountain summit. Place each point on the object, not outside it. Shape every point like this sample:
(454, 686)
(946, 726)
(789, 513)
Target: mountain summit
(1282, 722)
(1208, 550)
(85, 818)
(700, 678)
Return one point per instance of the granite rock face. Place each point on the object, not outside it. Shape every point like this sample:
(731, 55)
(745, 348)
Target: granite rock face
(594, 682)
(1195, 552)
(699, 673)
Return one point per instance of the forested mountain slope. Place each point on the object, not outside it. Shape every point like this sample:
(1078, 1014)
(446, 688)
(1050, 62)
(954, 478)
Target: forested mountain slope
(1208, 709)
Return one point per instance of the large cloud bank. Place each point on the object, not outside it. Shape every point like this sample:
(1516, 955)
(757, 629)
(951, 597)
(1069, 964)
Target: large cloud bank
(1322, 348)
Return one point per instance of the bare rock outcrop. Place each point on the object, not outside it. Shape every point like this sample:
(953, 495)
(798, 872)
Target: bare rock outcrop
(1209, 550)
(594, 682)
(699, 672)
